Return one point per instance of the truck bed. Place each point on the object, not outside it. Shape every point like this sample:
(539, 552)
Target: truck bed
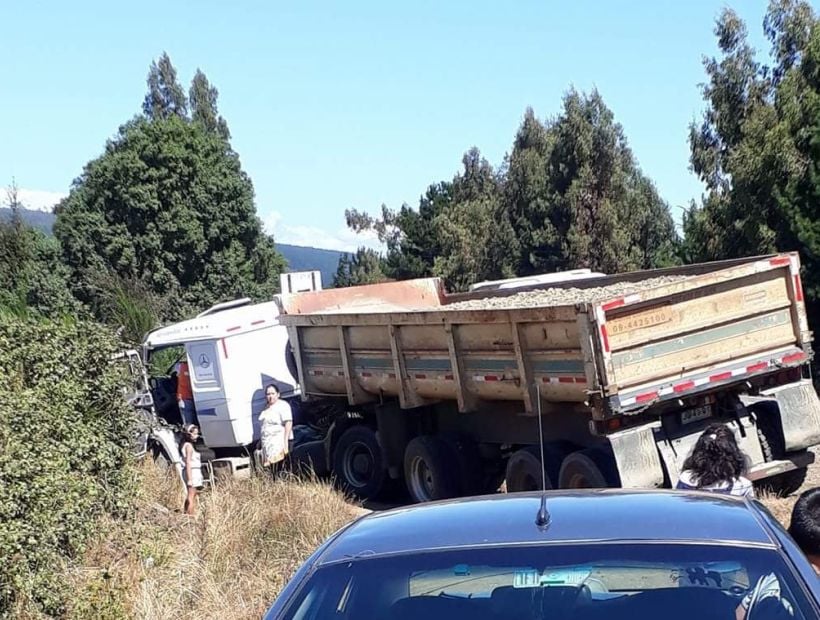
(625, 341)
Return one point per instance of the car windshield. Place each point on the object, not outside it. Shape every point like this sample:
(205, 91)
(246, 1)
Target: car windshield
(553, 582)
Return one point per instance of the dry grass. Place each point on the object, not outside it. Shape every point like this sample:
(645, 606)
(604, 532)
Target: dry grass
(780, 507)
(228, 562)
(232, 559)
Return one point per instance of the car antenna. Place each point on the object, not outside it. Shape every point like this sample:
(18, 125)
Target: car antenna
(542, 520)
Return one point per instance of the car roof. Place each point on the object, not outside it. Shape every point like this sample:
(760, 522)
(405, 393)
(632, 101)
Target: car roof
(575, 516)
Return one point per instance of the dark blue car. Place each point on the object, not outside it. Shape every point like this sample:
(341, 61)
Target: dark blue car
(607, 555)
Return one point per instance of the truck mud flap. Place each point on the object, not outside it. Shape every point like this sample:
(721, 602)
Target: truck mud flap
(799, 414)
(636, 454)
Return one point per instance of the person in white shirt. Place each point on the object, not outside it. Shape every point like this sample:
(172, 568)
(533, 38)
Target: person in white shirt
(716, 464)
(276, 427)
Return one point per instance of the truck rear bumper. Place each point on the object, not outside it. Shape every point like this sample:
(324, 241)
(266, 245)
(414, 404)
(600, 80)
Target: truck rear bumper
(648, 456)
(772, 468)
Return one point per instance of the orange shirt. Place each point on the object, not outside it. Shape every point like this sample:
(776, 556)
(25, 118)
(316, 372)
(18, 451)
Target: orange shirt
(184, 391)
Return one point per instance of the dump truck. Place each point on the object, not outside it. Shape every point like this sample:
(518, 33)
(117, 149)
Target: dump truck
(444, 390)
(611, 378)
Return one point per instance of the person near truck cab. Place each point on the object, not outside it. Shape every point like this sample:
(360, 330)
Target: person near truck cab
(716, 464)
(185, 394)
(277, 427)
(191, 467)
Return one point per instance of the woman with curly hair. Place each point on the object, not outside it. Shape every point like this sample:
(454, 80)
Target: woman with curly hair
(716, 464)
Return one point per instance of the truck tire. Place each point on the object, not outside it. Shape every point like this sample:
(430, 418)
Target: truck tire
(554, 454)
(773, 446)
(524, 471)
(309, 459)
(359, 463)
(592, 468)
(430, 469)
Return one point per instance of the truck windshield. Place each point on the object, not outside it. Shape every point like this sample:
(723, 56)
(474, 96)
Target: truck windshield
(606, 581)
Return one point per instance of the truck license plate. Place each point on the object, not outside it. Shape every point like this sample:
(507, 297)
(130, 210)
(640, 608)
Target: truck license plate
(693, 415)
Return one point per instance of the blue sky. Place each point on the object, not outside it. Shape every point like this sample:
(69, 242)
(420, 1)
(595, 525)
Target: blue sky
(352, 104)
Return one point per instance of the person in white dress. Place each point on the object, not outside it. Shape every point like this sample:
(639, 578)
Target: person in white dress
(276, 427)
(192, 467)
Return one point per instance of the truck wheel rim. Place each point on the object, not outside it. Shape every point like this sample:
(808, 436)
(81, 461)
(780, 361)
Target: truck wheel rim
(358, 465)
(578, 481)
(421, 480)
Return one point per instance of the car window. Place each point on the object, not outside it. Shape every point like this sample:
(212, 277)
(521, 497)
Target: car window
(553, 582)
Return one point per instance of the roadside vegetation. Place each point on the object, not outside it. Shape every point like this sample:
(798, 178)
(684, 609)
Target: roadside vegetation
(228, 562)
(65, 453)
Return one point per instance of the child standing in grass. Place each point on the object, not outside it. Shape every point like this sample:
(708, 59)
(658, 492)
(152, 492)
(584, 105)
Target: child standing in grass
(191, 467)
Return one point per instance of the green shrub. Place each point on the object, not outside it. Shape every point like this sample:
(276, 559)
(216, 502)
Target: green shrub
(65, 434)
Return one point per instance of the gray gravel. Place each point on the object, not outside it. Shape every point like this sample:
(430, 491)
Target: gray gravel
(561, 296)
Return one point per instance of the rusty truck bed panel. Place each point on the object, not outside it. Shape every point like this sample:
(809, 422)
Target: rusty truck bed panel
(743, 321)
(632, 350)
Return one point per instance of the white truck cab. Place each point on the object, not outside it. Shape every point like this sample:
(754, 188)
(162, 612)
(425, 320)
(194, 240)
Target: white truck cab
(234, 350)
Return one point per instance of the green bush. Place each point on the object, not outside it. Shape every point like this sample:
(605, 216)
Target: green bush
(65, 434)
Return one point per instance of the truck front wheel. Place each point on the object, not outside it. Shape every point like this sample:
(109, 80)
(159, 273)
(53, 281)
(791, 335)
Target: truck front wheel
(430, 469)
(359, 463)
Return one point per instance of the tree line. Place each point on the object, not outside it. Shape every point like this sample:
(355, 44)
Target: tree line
(570, 193)
(163, 222)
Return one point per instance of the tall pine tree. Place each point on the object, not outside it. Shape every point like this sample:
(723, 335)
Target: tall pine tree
(167, 210)
(569, 195)
(165, 97)
(203, 99)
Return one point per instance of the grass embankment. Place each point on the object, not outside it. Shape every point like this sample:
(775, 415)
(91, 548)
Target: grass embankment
(228, 562)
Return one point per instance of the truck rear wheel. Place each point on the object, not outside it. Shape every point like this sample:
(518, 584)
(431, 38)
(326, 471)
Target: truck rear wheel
(524, 466)
(524, 471)
(773, 446)
(359, 463)
(591, 468)
(430, 469)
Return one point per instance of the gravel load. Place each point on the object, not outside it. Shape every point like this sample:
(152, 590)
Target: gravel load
(561, 296)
